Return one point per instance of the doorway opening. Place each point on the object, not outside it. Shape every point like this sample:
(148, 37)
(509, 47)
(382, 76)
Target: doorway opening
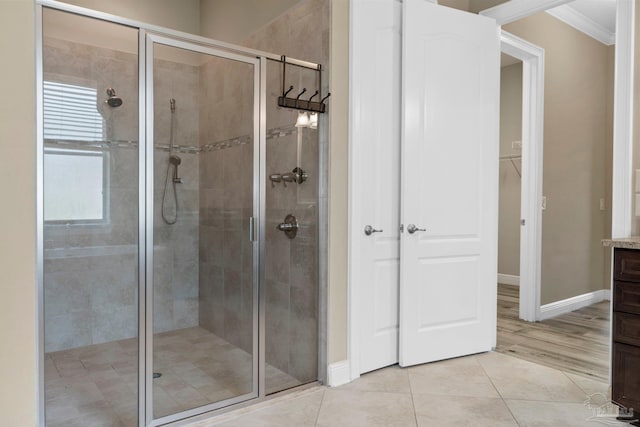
(572, 210)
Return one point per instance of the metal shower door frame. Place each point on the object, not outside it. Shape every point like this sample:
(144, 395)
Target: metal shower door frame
(147, 34)
(147, 42)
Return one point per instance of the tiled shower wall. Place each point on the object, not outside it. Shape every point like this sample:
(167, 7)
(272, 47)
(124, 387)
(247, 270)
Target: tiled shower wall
(225, 252)
(175, 297)
(202, 263)
(226, 194)
(91, 271)
(292, 265)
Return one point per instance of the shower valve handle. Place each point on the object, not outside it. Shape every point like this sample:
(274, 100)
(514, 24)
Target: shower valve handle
(286, 227)
(289, 226)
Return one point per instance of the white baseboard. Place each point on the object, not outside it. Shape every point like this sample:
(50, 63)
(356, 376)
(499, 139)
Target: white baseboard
(568, 305)
(509, 279)
(338, 373)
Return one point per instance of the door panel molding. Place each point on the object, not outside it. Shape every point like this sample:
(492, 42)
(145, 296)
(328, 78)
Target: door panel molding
(449, 183)
(374, 163)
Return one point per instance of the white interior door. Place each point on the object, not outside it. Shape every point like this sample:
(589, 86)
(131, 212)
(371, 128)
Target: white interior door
(451, 64)
(376, 181)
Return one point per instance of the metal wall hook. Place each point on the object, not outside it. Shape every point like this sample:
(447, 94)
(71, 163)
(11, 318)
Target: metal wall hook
(302, 104)
(300, 94)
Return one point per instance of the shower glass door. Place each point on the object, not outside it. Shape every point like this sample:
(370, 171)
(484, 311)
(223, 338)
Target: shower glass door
(89, 221)
(204, 106)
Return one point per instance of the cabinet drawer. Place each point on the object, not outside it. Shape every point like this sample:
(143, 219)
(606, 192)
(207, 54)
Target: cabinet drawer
(627, 265)
(626, 328)
(625, 382)
(626, 297)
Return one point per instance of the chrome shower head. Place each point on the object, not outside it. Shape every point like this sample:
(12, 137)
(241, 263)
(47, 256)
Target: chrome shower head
(113, 100)
(175, 160)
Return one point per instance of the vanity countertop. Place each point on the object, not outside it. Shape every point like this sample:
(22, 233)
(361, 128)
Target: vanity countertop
(632, 242)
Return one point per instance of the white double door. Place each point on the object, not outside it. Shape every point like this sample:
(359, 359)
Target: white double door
(425, 119)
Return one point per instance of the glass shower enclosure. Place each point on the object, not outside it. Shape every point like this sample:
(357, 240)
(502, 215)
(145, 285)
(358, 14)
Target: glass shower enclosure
(169, 287)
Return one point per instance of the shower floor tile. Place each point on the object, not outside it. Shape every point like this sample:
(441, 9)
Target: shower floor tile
(96, 386)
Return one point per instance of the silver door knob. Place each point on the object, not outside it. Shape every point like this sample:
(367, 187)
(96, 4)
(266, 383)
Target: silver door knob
(411, 228)
(369, 230)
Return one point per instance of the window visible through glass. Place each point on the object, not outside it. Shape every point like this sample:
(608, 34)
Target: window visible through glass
(75, 178)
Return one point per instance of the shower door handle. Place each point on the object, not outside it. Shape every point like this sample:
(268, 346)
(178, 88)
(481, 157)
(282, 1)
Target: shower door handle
(252, 229)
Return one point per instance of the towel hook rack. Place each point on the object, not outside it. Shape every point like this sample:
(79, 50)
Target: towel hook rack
(302, 104)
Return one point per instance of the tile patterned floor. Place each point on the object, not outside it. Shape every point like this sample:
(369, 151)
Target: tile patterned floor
(489, 389)
(96, 386)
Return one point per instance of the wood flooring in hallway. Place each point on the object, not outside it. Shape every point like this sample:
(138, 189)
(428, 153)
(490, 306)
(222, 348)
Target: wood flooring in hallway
(576, 342)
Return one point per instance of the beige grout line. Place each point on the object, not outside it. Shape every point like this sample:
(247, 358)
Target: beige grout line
(498, 391)
(256, 407)
(320, 408)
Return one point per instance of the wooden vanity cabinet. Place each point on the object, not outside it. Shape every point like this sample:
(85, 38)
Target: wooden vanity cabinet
(625, 370)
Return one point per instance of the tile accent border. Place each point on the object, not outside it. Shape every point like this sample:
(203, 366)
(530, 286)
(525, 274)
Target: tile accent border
(568, 305)
(338, 373)
(273, 133)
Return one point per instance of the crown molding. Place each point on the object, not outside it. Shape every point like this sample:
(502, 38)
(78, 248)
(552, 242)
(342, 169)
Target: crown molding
(580, 22)
(518, 9)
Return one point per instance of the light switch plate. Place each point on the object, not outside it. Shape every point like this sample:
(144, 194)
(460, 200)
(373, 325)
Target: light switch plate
(602, 204)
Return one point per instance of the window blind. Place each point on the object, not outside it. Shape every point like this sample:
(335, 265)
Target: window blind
(70, 113)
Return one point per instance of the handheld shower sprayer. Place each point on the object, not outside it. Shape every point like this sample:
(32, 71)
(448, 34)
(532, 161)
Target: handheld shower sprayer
(168, 216)
(175, 161)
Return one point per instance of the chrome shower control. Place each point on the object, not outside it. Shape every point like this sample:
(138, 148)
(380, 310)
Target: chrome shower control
(289, 226)
(369, 230)
(301, 176)
(411, 228)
